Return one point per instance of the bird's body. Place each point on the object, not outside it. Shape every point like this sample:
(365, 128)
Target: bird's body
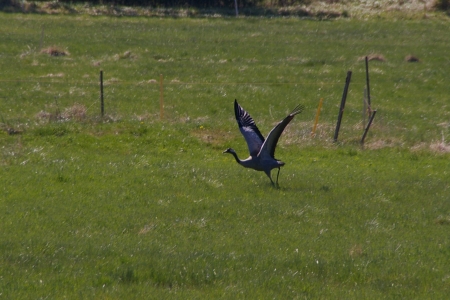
(262, 151)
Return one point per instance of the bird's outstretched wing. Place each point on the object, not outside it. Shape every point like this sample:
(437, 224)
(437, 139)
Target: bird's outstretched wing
(272, 139)
(249, 130)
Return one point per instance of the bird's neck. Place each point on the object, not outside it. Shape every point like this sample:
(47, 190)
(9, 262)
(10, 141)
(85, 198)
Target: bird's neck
(236, 158)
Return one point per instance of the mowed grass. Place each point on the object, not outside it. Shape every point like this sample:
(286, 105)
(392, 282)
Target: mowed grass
(137, 207)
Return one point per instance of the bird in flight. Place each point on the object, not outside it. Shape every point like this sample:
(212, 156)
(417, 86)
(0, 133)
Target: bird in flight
(262, 151)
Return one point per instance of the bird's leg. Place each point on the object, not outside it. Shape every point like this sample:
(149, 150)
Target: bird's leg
(278, 174)
(271, 181)
(270, 177)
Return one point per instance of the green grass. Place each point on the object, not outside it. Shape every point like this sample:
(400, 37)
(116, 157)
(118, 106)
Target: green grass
(135, 207)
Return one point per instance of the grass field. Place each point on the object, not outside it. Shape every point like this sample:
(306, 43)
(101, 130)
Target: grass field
(131, 206)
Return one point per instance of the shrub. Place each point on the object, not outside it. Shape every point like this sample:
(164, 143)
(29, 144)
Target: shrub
(442, 4)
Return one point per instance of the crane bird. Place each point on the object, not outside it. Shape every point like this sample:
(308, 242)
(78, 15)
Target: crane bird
(262, 151)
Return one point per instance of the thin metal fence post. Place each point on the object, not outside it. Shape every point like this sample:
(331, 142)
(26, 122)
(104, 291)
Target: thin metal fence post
(102, 103)
(161, 97)
(41, 44)
(364, 110)
(368, 126)
(341, 109)
(368, 86)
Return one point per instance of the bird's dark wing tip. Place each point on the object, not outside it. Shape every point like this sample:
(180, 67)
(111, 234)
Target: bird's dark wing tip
(237, 110)
(298, 109)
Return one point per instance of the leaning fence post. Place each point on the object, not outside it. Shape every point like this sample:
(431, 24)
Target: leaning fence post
(364, 110)
(102, 104)
(341, 109)
(368, 126)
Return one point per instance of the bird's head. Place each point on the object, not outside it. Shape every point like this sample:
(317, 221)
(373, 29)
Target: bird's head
(229, 150)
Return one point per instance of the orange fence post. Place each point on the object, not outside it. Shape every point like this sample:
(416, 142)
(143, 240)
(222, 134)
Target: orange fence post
(161, 98)
(313, 133)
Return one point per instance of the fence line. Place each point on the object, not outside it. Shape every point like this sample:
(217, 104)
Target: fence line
(96, 84)
(156, 82)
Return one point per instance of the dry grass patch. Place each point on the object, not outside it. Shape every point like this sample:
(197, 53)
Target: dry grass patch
(9, 129)
(56, 7)
(77, 112)
(55, 51)
(126, 55)
(411, 58)
(440, 147)
(380, 144)
(214, 137)
(373, 56)
(148, 117)
(443, 220)
(147, 228)
(295, 134)
(356, 251)
(51, 75)
(111, 81)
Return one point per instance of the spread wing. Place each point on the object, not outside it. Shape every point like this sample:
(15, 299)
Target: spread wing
(272, 139)
(249, 130)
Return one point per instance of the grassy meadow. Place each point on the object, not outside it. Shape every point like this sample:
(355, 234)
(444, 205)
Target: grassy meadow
(137, 206)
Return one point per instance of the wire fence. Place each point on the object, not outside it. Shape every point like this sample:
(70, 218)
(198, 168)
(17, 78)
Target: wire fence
(56, 97)
(47, 90)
